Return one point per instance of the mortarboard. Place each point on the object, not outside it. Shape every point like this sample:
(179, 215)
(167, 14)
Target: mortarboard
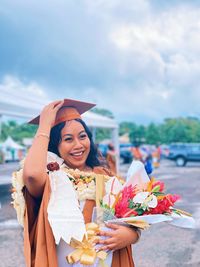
(70, 110)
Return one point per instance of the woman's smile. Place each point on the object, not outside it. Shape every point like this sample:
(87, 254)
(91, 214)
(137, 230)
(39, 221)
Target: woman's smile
(77, 154)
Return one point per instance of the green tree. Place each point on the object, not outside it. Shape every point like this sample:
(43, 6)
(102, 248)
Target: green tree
(102, 134)
(174, 130)
(152, 134)
(17, 131)
(126, 127)
(171, 130)
(137, 135)
(104, 112)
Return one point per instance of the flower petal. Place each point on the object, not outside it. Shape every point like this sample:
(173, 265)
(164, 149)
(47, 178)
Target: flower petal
(140, 197)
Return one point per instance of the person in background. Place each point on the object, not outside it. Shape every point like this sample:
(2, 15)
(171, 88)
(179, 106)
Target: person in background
(156, 155)
(137, 155)
(101, 157)
(2, 157)
(144, 156)
(148, 164)
(111, 158)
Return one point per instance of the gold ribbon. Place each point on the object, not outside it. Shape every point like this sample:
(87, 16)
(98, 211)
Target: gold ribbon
(85, 251)
(138, 223)
(181, 212)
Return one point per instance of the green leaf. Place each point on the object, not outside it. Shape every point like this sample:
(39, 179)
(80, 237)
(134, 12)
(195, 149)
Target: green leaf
(140, 211)
(156, 189)
(131, 205)
(158, 194)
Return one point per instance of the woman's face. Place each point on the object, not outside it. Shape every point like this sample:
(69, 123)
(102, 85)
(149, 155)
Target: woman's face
(74, 147)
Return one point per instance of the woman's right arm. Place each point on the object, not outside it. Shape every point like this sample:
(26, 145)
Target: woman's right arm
(34, 173)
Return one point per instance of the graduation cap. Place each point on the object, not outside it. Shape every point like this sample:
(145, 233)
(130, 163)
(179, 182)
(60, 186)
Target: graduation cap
(70, 110)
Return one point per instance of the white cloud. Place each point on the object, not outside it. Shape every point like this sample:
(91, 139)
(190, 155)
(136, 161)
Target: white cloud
(128, 56)
(106, 8)
(163, 41)
(14, 90)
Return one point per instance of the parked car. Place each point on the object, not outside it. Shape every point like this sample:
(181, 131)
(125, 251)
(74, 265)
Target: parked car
(103, 148)
(164, 151)
(182, 153)
(125, 152)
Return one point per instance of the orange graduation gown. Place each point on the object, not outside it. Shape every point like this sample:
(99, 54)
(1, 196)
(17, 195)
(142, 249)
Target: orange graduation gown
(39, 243)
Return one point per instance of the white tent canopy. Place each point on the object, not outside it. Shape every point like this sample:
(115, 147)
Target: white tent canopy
(10, 143)
(12, 150)
(91, 119)
(27, 105)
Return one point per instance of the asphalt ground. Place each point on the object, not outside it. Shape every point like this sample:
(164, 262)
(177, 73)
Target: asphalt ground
(161, 245)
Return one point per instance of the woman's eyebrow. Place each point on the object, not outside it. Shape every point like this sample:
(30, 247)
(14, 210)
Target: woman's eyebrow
(67, 135)
(82, 132)
(72, 134)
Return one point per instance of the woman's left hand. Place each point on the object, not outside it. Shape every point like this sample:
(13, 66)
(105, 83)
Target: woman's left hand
(119, 237)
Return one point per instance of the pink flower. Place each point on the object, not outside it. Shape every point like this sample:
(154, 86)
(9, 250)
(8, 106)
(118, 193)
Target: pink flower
(173, 198)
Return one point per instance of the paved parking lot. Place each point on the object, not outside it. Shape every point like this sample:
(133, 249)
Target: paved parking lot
(166, 245)
(161, 245)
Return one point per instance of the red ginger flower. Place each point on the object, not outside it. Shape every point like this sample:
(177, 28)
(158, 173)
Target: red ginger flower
(122, 206)
(128, 192)
(164, 204)
(122, 210)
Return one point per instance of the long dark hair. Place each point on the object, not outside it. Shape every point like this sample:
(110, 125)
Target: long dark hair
(55, 138)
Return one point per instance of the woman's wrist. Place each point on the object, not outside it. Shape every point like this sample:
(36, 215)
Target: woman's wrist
(43, 132)
(44, 129)
(40, 134)
(138, 235)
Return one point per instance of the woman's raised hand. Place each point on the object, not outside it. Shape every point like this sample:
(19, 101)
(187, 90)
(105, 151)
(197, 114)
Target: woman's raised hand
(35, 164)
(48, 114)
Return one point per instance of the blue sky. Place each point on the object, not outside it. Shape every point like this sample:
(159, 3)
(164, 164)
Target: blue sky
(140, 59)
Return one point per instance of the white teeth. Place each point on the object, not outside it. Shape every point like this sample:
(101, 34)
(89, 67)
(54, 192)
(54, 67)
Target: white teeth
(77, 154)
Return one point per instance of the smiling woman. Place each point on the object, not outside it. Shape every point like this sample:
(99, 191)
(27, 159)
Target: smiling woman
(74, 146)
(72, 140)
(56, 208)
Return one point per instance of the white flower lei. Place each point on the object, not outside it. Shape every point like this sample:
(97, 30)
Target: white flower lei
(84, 184)
(17, 195)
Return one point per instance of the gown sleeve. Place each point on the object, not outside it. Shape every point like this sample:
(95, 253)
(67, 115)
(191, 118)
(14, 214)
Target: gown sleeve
(39, 243)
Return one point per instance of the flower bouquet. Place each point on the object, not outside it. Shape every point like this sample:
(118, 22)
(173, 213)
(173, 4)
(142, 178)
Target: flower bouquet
(140, 202)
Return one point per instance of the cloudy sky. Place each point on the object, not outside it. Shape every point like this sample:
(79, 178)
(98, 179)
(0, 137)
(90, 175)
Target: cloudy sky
(138, 58)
